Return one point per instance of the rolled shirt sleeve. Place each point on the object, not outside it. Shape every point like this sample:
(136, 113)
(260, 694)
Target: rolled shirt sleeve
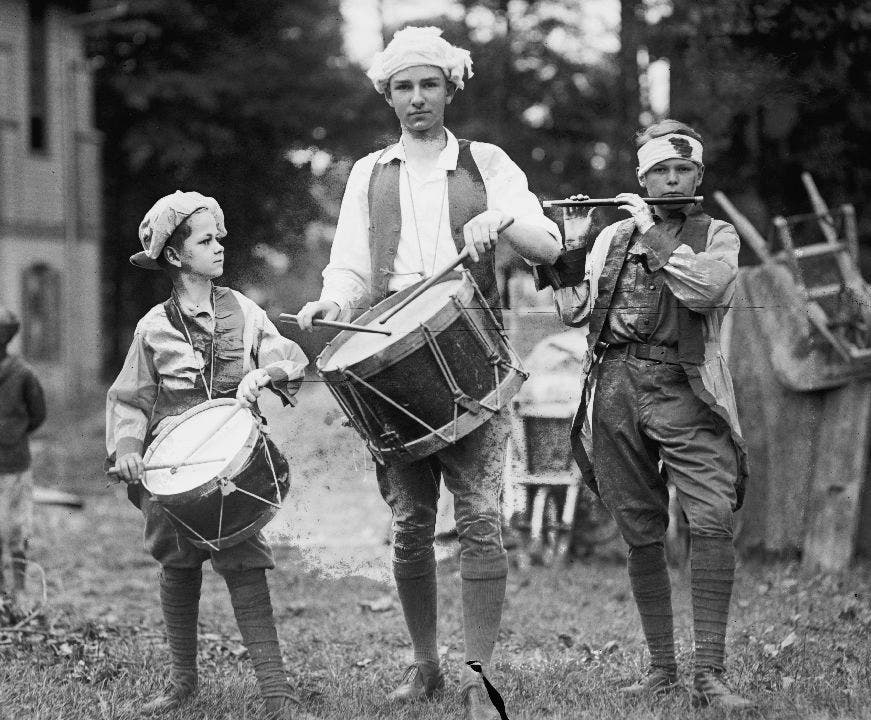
(281, 358)
(508, 189)
(347, 276)
(130, 399)
(702, 280)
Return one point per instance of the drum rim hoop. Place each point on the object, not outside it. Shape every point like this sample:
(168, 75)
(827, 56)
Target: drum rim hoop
(397, 349)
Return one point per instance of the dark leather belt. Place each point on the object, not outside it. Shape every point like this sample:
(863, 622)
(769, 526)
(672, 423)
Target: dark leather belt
(659, 353)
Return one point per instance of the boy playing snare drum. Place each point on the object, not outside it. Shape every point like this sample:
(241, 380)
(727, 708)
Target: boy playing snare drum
(204, 342)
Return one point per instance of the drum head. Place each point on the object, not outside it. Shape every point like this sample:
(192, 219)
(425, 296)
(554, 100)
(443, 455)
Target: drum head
(360, 346)
(222, 426)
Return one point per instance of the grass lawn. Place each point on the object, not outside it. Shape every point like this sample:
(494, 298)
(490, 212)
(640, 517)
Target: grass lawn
(798, 644)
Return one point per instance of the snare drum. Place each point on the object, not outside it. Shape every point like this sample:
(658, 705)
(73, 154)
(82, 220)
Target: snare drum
(446, 368)
(220, 478)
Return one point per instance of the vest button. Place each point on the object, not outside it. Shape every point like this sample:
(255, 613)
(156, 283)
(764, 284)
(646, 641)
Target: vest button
(391, 251)
(653, 287)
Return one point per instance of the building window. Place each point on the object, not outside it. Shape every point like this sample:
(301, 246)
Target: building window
(38, 74)
(41, 303)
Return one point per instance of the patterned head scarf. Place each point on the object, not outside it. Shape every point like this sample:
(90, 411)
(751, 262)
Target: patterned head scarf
(413, 46)
(164, 217)
(673, 146)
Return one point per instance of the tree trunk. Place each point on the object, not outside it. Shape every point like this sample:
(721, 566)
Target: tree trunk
(630, 102)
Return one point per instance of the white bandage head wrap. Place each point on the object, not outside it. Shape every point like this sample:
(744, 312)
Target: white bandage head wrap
(668, 147)
(165, 216)
(414, 46)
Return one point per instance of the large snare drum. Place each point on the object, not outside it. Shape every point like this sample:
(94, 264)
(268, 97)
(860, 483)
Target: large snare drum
(446, 368)
(220, 478)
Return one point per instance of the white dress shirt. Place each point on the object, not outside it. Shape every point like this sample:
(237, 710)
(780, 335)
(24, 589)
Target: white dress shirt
(425, 242)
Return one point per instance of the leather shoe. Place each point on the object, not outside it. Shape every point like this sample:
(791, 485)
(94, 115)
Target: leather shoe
(176, 694)
(477, 704)
(658, 681)
(709, 689)
(420, 682)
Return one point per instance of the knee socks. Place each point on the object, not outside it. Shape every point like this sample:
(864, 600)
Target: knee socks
(483, 598)
(648, 575)
(418, 596)
(180, 599)
(249, 595)
(712, 568)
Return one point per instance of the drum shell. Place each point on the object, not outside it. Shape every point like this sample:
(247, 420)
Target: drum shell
(200, 509)
(408, 372)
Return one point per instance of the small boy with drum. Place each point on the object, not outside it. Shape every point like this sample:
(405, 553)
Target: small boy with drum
(22, 410)
(204, 342)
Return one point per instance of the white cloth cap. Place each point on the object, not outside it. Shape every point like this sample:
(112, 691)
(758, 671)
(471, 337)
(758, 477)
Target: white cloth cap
(164, 217)
(668, 147)
(414, 46)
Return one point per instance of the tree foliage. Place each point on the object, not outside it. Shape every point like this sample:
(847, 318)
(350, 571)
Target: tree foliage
(212, 96)
(777, 87)
(263, 110)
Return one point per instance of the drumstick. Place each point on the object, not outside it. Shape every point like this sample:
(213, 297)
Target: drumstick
(168, 466)
(464, 253)
(287, 317)
(236, 407)
(603, 202)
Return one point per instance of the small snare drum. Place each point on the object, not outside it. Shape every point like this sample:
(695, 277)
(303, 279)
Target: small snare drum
(220, 478)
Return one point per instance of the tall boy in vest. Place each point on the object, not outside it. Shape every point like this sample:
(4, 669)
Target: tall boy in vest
(22, 410)
(656, 289)
(409, 210)
(204, 342)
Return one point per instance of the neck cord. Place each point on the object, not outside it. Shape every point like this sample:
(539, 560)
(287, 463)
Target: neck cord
(206, 387)
(414, 218)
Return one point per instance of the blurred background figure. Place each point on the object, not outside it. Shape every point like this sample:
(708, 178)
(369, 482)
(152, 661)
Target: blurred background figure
(22, 410)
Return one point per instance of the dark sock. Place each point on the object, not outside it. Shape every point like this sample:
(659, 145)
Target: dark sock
(712, 568)
(249, 595)
(648, 575)
(418, 596)
(180, 600)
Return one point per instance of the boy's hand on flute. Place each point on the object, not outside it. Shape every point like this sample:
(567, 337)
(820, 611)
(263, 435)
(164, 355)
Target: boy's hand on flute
(571, 213)
(634, 204)
(249, 388)
(323, 309)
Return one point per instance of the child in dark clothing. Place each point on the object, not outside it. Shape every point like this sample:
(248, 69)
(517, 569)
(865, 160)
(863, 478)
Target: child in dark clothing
(22, 410)
(205, 342)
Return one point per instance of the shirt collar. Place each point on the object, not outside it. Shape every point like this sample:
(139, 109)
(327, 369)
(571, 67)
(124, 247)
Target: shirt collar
(190, 311)
(447, 158)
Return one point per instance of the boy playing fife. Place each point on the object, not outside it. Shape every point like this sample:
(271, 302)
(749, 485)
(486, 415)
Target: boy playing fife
(204, 342)
(22, 410)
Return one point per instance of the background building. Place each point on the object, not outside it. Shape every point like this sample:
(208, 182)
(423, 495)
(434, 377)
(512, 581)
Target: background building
(50, 193)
